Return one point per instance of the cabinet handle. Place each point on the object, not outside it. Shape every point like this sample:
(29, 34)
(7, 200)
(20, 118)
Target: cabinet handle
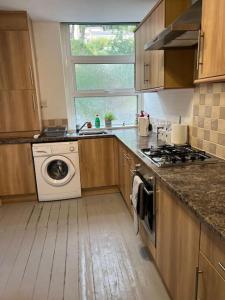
(31, 75)
(200, 48)
(197, 272)
(34, 102)
(221, 266)
(145, 68)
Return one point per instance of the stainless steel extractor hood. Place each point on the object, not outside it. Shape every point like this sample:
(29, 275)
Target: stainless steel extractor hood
(183, 32)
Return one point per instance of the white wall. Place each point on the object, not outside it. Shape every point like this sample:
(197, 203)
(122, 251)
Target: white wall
(47, 42)
(170, 104)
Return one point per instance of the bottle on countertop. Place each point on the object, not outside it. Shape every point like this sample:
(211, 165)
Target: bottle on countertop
(97, 121)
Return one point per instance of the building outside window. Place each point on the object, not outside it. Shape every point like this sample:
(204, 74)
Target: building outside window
(102, 58)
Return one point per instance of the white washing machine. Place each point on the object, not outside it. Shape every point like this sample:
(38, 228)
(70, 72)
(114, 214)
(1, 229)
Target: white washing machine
(57, 170)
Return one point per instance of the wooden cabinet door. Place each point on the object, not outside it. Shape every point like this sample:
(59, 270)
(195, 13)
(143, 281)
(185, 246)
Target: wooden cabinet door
(140, 68)
(212, 42)
(210, 283)
(97, 162)
(127, 182)
(138, 60)
(156, 57)
(16, 71)
(177, 245)
(17, 170)
(19, 111)
(121, 167)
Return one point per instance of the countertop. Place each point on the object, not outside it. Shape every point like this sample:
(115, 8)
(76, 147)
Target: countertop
(201, 187)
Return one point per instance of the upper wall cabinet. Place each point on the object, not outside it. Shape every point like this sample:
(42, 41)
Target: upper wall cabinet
(211, 58)
(161, 69)
(16, 72)
(20, 114)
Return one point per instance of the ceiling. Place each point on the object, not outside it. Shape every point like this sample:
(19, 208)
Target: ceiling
(82, 10)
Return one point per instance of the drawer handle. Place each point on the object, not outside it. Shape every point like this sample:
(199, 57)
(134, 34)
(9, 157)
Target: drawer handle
(221, 266)
(31, 75)
(197, 272)
(34, 102)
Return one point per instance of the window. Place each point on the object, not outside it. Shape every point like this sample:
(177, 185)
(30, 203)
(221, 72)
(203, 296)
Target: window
(102, 59)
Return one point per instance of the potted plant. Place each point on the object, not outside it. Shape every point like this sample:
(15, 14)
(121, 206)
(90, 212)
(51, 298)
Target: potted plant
(109, 117)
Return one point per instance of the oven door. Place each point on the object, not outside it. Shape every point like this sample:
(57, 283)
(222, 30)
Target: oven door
(148, 220)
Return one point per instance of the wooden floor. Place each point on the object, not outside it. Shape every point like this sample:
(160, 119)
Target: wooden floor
(76, 249)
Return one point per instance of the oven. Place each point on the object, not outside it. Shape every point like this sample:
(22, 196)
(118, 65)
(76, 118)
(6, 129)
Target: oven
(147, 198)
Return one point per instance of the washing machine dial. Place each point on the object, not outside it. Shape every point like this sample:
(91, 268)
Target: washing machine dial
(72, 149)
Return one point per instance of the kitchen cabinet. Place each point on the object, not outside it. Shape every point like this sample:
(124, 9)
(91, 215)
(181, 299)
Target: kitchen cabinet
(177, 245)
(19, 97)
(162, 69)
(17, 170)
(211, 58)
(211, 271)
(211, 285)
(16, 72)
(127, 162)
(98, 166)
(22, 106)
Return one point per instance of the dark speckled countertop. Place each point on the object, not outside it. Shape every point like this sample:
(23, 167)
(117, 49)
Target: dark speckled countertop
(200, 187)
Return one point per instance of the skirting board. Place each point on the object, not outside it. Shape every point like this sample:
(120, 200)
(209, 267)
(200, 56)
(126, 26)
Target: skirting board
(100, 190)
(18, 198)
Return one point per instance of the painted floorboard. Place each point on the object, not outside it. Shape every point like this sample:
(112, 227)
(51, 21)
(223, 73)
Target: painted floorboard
(79, 249)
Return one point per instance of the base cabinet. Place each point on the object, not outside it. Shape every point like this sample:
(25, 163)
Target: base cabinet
(127, 162)
(177, 245)
(17, 170)
(98, 166)
(211, 285)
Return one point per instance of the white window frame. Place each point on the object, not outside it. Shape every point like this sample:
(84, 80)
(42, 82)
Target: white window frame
(72, 60)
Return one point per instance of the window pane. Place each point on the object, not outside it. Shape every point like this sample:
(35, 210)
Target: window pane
(104, 76)
(102, 39)
(123, 107)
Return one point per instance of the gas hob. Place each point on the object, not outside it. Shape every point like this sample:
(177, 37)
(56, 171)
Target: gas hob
(172, 155)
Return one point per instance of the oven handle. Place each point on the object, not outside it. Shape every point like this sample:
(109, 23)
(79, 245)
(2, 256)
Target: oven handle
(148, 192)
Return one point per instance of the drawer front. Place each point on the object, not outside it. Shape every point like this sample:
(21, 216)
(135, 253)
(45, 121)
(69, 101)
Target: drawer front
(210, 284)
(214, 249)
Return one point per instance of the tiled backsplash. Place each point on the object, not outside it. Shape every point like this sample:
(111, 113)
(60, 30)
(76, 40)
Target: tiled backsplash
(208, 128)
(54, 122)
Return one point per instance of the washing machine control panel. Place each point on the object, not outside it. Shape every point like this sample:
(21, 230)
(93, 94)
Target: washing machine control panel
(72, 148)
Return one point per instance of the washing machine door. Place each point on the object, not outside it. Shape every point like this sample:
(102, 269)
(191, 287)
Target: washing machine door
(57, 170)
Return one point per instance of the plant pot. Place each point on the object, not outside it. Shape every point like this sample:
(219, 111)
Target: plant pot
(108, 123)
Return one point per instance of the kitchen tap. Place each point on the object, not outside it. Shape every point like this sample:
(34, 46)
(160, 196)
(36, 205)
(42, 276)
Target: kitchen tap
(79, 129)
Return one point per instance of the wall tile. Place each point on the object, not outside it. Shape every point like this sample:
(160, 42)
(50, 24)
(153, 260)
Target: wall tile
(222, 112)
(216, 99)
(220, 151)
(208, 132)
(207, 135)
(214, 124)
(195, 110)
(214, 136)
(202, 99)
(201, 122)
(221, 139)
(208, 111)
(215, 112)
(221, 125)
(212, 148)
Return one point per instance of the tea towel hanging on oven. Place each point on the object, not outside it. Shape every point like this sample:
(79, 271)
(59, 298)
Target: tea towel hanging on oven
(137, 182)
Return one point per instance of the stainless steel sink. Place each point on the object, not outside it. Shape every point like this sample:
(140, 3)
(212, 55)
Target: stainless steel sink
(92, 132)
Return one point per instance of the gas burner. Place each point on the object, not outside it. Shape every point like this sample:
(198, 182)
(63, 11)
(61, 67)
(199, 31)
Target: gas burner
(169, 155)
